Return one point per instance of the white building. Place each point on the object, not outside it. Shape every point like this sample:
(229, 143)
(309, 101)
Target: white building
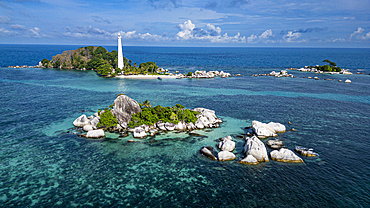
(120, 54)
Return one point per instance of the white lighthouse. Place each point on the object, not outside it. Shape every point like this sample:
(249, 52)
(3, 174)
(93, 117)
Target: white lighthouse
(120, 55)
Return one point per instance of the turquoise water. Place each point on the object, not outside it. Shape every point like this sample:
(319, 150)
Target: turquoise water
(44, 164)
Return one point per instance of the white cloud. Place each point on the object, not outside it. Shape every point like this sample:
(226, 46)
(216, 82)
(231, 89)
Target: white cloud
(358, 34)
(292, 36)
(252, 38)
(18, 27)
(264, 37)
(266, 34)
(35, 32)
(188, 31)
(4, 32)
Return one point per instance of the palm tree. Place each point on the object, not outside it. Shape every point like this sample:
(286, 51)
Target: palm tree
(146, 104)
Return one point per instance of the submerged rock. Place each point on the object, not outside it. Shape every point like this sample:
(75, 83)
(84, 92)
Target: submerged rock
(285, 155)
(81, 121)
(209, 152)
(95, 134)
(123, 108)
(249, 160)
(225, 155)
(275, 144)
(255, 147)
(305, 151)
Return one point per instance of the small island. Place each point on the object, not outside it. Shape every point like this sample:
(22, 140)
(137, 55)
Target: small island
(330, 67)
(100, 60)
(127, 115)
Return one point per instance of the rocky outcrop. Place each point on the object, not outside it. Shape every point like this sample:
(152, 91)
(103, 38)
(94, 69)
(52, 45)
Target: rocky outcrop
(208, 152)
(81, 121)
(123, 108)
(255, 147)
(226, 144)
(95, 134)
(225, 155)
(249, 160)
(285, 155)
(275, 144)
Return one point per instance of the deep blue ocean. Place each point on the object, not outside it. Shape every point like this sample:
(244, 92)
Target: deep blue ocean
(44, 164)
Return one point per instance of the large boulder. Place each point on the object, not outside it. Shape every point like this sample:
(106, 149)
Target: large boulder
(95, 134)
(226, 144)
(94, 122)
(160, 125)
(263, 130)
(255, 147)
(81, 121)
(88, 128)
(225, 155)
(139, 132)
(123, 108)
(209, 152)
(285, 155)
(169, 126)
(249, 160)
(206, 118)
(277, 127)
(181, 126)
(190, 126)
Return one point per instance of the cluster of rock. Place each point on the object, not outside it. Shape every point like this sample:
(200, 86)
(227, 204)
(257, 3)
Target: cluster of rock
(282, 73)
(20, 67)
(315, 70)
(89, 125)
(254, 150)
(206, 119)
(123, 109)
(204, 74)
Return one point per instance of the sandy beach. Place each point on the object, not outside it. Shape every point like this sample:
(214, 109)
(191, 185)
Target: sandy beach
(141, 76)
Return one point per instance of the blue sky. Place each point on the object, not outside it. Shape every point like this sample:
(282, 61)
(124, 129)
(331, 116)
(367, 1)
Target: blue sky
(235, 23)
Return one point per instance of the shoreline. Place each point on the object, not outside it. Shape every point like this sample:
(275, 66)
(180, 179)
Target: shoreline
(141, 76)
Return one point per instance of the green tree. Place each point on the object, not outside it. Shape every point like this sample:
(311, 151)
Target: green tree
(104, 69)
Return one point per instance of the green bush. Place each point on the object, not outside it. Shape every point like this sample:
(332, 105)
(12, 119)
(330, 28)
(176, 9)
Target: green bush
(189, 74)
(107, 119)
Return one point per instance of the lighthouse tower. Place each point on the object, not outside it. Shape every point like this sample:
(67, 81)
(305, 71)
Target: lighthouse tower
(120, 55)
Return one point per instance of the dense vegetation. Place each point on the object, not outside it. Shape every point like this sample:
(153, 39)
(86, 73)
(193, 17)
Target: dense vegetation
(329, 67)
(151, 115)
(98, 58)
(107, 119)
